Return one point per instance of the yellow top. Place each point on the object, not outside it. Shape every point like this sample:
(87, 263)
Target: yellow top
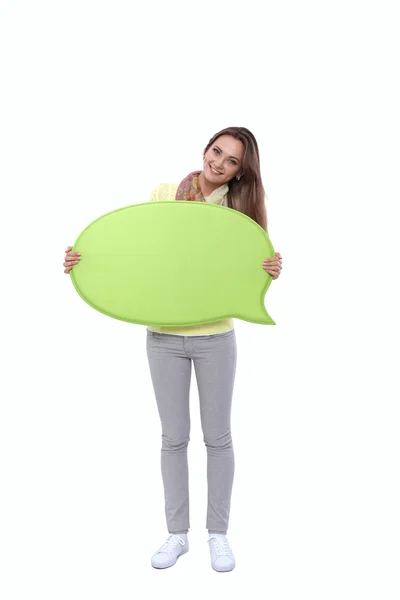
(163, 193)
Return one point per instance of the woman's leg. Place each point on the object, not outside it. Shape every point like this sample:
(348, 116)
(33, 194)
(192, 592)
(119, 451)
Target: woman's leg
(170, 369)
(215, 365)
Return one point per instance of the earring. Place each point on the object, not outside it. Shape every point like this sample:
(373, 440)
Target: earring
(238, 177)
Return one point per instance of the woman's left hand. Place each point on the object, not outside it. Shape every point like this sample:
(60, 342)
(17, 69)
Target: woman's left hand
(273, 265)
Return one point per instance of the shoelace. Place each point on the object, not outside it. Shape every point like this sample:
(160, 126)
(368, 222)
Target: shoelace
(171, 543)
(220, 546)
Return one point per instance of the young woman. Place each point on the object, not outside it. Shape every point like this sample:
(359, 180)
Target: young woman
(230, 177)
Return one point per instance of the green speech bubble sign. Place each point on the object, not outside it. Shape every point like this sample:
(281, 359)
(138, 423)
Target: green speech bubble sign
(174, 264)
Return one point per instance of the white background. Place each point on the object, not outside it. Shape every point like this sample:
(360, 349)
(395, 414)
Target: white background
(101, 101)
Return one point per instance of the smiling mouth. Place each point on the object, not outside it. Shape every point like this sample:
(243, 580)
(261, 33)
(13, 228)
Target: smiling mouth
(215, 171)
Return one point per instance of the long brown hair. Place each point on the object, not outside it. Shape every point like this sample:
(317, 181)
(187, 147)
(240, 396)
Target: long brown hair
(246, 195)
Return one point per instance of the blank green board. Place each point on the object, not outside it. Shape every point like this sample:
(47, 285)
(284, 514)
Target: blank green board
(174, 263)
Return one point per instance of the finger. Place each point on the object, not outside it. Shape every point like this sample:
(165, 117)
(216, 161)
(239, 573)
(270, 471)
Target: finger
(274, 274)
(70, 264)
(72, 257)
(68, 249)
(73, 254)
(273, 263)
(276, 257)
(272, 270)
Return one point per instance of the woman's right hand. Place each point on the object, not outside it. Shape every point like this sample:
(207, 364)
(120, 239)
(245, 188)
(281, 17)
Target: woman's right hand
(71, 259)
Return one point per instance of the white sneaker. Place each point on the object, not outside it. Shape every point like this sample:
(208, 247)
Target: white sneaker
(168, 554)
(222, 558)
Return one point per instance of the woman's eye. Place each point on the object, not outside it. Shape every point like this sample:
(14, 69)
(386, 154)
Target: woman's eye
(215, 150)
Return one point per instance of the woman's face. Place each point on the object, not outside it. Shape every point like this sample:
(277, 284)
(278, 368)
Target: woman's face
(223, 160)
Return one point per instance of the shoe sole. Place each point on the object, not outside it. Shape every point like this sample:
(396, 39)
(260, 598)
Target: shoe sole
(224, 570)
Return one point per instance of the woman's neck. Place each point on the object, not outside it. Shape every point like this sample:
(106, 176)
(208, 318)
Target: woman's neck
(206, 187)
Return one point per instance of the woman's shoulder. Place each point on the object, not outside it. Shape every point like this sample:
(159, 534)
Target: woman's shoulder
(164, 192)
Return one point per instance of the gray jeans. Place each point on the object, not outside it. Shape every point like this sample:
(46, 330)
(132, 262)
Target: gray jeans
(170, 360)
